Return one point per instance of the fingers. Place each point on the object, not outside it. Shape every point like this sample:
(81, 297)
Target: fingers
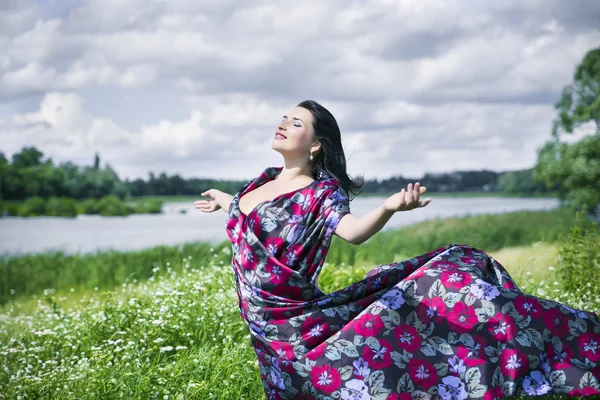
(423, 203)
(402, 198)
(417, 192)
(409, 194)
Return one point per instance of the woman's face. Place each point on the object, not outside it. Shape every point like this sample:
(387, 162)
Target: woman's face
(297, 127)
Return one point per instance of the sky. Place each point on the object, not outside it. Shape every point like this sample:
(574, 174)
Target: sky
(197, 87)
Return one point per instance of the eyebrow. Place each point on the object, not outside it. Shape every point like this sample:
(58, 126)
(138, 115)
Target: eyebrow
(285, 116)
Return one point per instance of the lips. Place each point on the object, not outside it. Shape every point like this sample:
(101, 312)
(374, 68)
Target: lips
(279, 134)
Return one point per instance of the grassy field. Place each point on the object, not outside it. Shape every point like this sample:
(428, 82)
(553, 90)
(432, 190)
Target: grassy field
(173, 331)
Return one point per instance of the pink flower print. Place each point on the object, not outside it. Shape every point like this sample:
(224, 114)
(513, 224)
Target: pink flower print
(369, 325)
(494, 393)
(273, 243)
(380, 358)
(416, 274)
(589, 345)
(513, 363)
(407, 338)
(316, 352)
(528, 306)
(292, 254)
(278, 274)
(284, 350)
(455, 279)
(325, 378)
(559, 359)
(556, 322)
(314, 330)
(474, 355)
(502, 327)
(422, 373)
(461, 318)
(399, 396)
(433, 309)
(249, 259)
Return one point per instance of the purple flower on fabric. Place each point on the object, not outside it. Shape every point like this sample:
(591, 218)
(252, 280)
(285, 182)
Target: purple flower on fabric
(483, 290)
(457, 365)
(452, 388)
(535, 384)
(355, 389)
(276, 376)
(256, 327)
(361, 368)
(392, 299)
(545, 363)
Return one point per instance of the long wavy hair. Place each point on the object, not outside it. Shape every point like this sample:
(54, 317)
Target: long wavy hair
(331, 158)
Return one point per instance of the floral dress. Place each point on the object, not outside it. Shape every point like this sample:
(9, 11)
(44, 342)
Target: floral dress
(448, 324)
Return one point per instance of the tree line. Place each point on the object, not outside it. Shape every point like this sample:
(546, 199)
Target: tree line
(29, 174)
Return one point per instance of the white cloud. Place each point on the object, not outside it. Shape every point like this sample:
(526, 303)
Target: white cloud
(415, 86)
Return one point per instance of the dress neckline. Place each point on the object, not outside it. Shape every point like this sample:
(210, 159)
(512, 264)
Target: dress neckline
(269, 174)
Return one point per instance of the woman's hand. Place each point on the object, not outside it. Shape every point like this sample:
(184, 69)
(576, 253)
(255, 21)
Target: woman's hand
(406, 200)
(209, 205)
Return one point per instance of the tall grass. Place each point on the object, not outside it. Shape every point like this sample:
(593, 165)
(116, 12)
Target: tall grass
(176, 336)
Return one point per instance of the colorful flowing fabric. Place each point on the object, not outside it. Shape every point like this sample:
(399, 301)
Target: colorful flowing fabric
(448, 324)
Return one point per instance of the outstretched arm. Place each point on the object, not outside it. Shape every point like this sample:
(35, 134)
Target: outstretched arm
(356, 230)
(218, 199)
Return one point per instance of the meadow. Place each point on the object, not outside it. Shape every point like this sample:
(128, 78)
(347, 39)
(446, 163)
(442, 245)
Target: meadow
(163, 323)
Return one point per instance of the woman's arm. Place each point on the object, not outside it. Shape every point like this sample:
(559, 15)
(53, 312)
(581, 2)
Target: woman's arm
(224, 201)
(218, 199)
(357, 230)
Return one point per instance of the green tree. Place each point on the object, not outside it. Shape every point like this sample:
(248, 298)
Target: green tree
(28, 157)
(4, 168)
(575, 168)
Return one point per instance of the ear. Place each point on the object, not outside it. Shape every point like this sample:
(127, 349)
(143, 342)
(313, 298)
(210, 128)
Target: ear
(316, 146)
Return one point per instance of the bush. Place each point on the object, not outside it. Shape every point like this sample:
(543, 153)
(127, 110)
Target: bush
(111, 205)
(89, 206)
(61, 207)
(11, 209)
(32, 207)
(580, 259)
(151, 206)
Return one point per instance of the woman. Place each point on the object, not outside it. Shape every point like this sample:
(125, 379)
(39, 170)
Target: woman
(448, 324)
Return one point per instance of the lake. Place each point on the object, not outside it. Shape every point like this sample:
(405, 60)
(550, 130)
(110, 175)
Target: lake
(90, 233)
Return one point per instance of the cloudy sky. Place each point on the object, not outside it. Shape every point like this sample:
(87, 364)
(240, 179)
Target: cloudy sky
(198, 87)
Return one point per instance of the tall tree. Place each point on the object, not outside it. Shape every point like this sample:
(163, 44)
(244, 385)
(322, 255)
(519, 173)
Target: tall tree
(575, 168)
(97, 161)
(27, 157)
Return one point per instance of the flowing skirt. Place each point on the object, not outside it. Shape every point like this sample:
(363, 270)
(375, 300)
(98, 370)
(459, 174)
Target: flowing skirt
(449, 324)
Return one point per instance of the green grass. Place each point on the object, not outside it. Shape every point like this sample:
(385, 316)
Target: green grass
(177, 335)
(166, 324)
